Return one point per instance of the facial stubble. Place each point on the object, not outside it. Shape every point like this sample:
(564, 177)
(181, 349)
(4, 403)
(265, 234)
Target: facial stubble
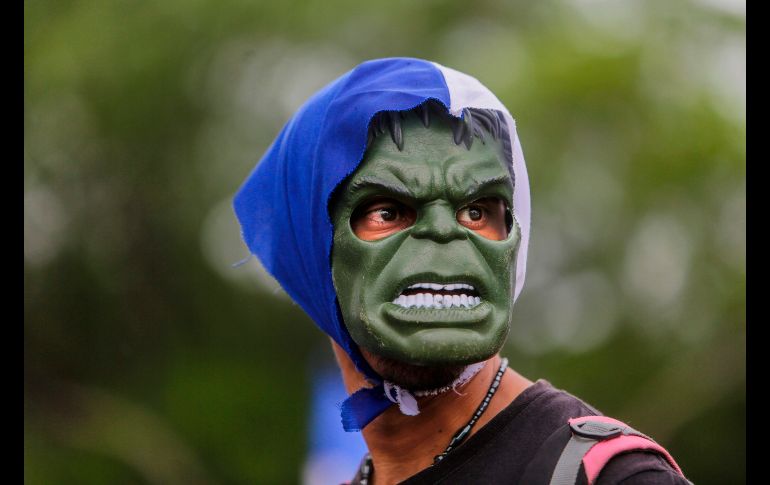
(410, 376)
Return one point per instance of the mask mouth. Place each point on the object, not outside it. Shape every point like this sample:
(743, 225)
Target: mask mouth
(438, 296)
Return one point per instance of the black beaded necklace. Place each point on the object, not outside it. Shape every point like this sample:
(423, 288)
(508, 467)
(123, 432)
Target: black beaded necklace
(459, 437)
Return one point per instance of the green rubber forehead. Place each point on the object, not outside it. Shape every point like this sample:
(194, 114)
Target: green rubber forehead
(428, 167)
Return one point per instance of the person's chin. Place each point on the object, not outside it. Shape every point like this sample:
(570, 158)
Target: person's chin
(410, 376)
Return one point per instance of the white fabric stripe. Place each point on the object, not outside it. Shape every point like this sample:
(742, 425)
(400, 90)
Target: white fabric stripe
(467, 92)
(405, 398)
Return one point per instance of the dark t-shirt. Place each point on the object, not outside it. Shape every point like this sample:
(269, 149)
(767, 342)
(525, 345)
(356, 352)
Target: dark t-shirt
(522, 444)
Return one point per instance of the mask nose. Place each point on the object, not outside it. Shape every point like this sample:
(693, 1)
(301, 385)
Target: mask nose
(438, 222)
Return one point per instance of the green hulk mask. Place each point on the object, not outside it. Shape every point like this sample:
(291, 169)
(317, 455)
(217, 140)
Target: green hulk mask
(425, 246)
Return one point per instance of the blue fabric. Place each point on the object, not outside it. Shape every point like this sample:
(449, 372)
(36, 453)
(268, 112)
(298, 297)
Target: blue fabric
(282, 205)
(363, 406)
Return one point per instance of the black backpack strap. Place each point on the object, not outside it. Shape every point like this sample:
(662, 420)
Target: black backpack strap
(595, 440)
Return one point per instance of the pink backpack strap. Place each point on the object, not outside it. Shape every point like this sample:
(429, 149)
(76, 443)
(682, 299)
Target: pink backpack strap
(595, 441)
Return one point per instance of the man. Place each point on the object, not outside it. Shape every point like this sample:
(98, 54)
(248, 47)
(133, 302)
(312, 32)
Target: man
(394, 208)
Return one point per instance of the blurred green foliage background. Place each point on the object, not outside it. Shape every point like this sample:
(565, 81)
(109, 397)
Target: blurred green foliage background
(149, 358)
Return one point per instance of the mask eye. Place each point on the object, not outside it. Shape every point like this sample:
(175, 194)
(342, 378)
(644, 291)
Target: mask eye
(380, 218)
(487, 217)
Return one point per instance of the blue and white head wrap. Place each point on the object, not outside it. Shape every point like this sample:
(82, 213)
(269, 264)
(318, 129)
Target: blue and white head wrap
(283, 204)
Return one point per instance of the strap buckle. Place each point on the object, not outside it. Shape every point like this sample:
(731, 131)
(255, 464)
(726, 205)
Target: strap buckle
(597, 430)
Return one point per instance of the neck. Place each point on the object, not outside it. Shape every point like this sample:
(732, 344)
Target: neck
(441, 416)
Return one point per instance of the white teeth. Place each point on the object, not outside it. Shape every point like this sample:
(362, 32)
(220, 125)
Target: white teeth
(417, 286)
(430, 300)
(437, 286)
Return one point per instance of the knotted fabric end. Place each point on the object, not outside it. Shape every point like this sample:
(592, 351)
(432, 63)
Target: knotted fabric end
(362, 407)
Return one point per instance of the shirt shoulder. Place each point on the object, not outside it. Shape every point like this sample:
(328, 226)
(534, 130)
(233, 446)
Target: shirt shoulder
(524, 441)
